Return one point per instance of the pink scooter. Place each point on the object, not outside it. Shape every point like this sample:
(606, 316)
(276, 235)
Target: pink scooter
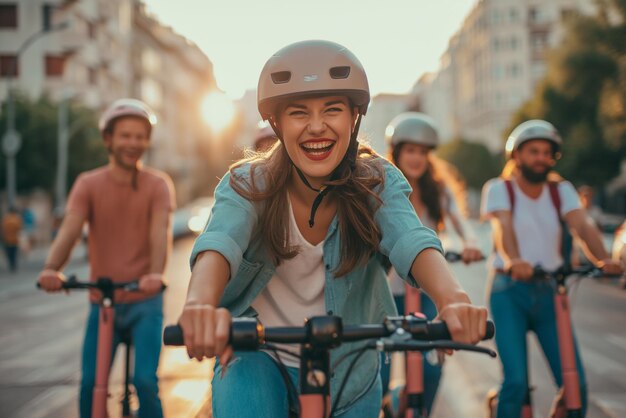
(411, 403)
(105, 343)
(568, 402)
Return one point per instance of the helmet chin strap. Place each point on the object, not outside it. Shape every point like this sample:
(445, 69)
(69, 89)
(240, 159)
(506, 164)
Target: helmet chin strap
(324, 189)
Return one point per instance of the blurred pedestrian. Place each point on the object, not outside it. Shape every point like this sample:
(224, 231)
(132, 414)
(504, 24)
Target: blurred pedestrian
(530, 207)
(11, 227)
(128, 208)
(437, 193)
(27, 237)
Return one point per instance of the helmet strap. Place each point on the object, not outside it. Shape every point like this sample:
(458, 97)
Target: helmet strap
(353, 148)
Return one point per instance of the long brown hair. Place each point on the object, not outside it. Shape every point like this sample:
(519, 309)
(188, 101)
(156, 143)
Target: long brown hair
(353, 190)
(438, 176)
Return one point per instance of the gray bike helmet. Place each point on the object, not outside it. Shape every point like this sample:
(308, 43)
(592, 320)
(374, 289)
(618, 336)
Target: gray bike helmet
(533, 129)
(412, 127)
(311, 68)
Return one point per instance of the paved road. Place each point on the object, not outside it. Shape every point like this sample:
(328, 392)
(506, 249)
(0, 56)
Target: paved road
(40, 340)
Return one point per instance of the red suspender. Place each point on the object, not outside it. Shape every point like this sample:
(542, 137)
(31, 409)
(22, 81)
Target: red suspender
(555, 197)
(509, 189)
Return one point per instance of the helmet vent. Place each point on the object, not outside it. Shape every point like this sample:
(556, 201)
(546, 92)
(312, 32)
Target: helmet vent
(339, 72)
(281, 77)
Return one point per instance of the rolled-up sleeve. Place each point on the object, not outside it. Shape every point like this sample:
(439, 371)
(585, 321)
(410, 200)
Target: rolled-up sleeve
(403, 235)
(230, 224)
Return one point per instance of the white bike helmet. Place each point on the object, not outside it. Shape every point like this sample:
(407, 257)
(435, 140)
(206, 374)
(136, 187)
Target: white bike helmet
(412, 127)
(126, 107)
(533, 129)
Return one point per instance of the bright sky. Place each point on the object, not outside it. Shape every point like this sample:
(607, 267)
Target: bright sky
(396, 40)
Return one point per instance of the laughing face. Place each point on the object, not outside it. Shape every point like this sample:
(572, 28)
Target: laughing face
(413, 160)
(316, 133)
(128, 141)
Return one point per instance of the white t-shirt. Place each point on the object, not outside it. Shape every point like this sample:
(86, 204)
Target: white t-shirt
(535, 222)
(296, 291)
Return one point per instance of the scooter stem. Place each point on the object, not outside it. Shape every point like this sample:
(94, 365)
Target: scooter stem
(571, 383)
(103, 356)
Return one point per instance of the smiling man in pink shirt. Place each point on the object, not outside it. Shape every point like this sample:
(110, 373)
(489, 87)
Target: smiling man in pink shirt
(128, 209)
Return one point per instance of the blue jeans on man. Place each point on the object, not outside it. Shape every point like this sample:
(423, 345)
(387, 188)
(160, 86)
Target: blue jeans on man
(145, 321)
(518, 307)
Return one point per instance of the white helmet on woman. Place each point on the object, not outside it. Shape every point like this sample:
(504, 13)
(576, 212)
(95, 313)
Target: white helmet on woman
(412, 127)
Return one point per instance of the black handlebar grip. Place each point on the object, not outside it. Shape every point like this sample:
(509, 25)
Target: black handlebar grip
(173, 335)
(491, 330)
(439, 331)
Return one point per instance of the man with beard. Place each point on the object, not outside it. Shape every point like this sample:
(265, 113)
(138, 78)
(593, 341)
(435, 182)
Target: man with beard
(530, 207)
(128, 209)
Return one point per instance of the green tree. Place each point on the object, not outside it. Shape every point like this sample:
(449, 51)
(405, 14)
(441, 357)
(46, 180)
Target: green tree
(473, 160)
(36, 162)
(584, 94)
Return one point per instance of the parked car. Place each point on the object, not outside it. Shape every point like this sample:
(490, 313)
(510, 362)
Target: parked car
(192, 218)
(200, 209)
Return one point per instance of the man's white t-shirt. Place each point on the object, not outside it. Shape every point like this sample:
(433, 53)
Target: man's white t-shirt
(535, 222)
(296, 291)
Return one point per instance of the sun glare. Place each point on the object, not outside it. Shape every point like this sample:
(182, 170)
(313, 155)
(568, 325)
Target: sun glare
(218, 111)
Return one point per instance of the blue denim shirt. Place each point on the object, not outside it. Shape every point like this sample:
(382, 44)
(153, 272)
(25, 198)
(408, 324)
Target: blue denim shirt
(360, 297)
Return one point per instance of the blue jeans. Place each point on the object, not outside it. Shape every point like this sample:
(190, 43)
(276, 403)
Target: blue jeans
(252, 387)
(145, 321)
(518, 307)
(432, 372)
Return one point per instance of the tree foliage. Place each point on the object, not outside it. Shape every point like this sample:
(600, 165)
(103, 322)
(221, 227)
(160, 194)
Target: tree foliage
(36, 162)
(584, 94)
(473, 160)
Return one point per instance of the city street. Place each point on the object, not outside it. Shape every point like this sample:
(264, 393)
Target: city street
(40, 342)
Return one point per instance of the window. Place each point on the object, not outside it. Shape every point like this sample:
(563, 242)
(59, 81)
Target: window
(514, 43)
(152, 92)
(92, 76)
(9, 66)
(8, 16)
(513, 15)
(535, 15)
(55, 65)
(496, 17)
(539, 40)
(495, 44)
(514, 70)
(497, 72)
(91, 30)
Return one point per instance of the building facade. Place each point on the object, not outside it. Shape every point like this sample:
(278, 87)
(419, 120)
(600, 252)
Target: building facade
(101, 50)
(492, 65)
